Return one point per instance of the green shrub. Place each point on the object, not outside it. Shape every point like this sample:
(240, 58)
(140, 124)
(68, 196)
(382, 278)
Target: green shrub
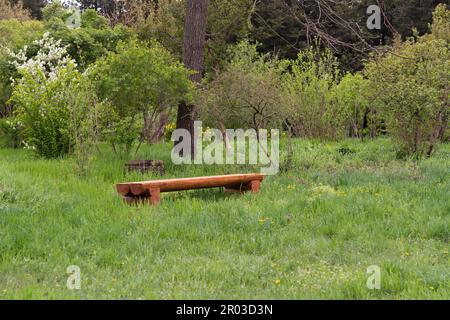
(247, 94)
(11, 132)
(13, 36)
(411, 86)
(43, 109)
(352, 96)
(94, 39)
(309, 89)
(42, 97)
(139, 83)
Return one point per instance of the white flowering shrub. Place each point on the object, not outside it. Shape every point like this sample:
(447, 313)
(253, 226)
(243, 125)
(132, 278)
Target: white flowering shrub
(43, 97)
(50, 58)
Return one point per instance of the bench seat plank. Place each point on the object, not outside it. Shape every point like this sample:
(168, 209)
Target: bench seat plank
(170, 185)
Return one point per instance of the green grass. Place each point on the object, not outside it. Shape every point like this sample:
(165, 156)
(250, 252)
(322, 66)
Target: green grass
(311, 232)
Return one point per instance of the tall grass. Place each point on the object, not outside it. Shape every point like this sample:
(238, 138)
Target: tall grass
(311, 232)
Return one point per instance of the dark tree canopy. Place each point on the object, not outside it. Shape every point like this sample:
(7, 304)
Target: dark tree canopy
(287, 26)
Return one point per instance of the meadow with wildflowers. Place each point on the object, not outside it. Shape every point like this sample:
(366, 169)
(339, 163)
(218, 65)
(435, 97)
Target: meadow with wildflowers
(310, 233)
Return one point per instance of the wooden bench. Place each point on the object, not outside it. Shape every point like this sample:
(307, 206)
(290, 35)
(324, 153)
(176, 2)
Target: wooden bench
(150, 191)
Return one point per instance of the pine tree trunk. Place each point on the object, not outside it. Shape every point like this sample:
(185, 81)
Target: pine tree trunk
(193, 57)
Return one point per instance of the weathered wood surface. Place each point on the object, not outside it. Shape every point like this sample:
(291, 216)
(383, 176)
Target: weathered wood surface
(150, 190)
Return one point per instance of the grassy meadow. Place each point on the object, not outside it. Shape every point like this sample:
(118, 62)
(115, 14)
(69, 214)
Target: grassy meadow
(311, 233)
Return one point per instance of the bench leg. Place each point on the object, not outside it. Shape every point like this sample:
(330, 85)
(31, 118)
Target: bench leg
(254, 186)
(154, 198)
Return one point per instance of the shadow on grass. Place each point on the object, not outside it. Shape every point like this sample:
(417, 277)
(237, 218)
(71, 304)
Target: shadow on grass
(213, 194)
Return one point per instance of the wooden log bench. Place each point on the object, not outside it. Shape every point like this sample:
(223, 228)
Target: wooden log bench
(149, 191)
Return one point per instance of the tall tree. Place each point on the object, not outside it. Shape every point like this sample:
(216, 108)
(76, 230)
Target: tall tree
(193, 58)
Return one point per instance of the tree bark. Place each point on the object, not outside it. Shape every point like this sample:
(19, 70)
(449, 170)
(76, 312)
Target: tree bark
(193, 58)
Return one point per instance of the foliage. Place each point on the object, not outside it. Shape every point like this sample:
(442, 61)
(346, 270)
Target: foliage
(50, 57)
(285, 27)
(163, 21)
(119, 131)
(57, 108)
(412, 87)
(11, 133)
(440, 28)
(91, 41)
(309, 90)
(13, 36)
(247, 94)
(41, 97)
(160, 20)
(282, 27)
(138, 82)
(43, 110)
(229, 22)
(55, 10)
(85, 44)
(352, 95)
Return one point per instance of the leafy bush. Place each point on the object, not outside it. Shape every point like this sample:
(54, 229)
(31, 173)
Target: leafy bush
(41, 97)
(119, 131)
(411, 84)
(11, 132)
(13, 36)
(309, 89)
(140, 83)
(57, 108)
(44, 113)
(247, 94)
(353, 96)
(94, 39)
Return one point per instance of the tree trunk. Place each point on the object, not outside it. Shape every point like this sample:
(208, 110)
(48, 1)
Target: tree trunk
(193, 58)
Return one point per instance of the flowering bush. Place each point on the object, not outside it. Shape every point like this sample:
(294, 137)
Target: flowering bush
(50, 58)
(42, 97)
